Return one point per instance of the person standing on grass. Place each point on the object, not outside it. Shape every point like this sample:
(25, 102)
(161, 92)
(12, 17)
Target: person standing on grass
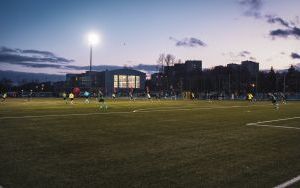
(64, 95)
(131, 96)
(113, 96)
(148, 96)
(4, 95)
(250, 97)
(101, 100)
(283, 98)
(193, 96)
(86, 95)
(71, 97)
(274, 100)
(29, 96)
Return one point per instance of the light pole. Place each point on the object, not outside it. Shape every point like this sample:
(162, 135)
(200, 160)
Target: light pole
(93, 39)
(91, 57)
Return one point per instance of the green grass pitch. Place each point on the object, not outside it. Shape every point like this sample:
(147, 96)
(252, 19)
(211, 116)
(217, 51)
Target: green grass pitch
(47, 143)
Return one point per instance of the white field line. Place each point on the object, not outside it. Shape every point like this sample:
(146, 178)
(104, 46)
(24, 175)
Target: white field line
(275, 126)
(127, 112)
(259, 123)
(284, 119)
(288, 183)
(163, 109)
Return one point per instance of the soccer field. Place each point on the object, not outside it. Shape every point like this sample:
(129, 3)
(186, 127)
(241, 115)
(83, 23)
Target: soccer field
(47, 143)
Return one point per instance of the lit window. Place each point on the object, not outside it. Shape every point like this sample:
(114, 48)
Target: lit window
(116, 81)
(137, 82)
(126, 81)
(131, 81)
(122, 81)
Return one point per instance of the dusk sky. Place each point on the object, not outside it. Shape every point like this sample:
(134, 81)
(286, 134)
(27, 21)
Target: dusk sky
(49, 36)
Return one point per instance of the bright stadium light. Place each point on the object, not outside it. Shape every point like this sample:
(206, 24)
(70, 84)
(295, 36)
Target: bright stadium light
(93, 39)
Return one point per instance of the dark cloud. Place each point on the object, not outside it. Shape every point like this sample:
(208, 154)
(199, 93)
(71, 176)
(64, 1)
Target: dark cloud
(36, 65)
(45, 53)
(188, 42)
(284, 33)
(295, 55)
(252, 7)
(275, 19)
(32, 58)
(290, 29)
(113, 67)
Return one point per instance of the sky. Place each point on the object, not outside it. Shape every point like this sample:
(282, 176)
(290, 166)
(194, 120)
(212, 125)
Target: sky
(50, 36)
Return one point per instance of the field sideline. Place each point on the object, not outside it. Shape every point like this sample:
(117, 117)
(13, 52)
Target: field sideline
(46, 143)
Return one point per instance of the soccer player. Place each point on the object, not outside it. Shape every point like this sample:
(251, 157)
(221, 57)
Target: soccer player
(193, 96)
(86, 95)
(131, 96)
(148, 96)
(4, 95)
(113, 96)
(64, 95)
(29, 96)
(283, 98)
(250, 97)
(274, 101)
(101, 100)
(71, 97)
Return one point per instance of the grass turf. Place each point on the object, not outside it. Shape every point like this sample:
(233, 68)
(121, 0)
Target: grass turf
(160, 144)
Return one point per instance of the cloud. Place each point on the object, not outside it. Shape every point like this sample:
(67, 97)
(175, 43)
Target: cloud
(244, 53)
(295, 55)
(284, 33)
(188, 42)
(289, 27)
(252, 7)
(275, 19)
(32, 58)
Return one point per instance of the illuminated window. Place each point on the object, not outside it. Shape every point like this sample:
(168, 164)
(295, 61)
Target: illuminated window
(137, 82)
(131, 81)
(123, 81)
(126, 81)
(116, 81)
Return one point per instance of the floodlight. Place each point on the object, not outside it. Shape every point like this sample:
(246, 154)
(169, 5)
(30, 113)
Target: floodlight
(93, 39)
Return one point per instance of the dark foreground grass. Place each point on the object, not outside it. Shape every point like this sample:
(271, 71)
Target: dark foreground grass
(161, 144)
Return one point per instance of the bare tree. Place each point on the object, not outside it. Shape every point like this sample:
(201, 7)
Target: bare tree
(160, 62)
(169, 60)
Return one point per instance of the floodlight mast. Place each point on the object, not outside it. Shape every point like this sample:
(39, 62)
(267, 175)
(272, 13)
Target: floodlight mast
(93, 40)
(91, 56)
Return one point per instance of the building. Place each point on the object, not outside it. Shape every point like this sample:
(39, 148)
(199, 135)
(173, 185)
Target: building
(193, 66)
(179, 77)
(120, 81)
(233, 67)
(124, 80)
(251, 66)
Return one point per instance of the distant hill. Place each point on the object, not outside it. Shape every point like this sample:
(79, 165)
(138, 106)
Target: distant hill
(21, 77)
(140, 67)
